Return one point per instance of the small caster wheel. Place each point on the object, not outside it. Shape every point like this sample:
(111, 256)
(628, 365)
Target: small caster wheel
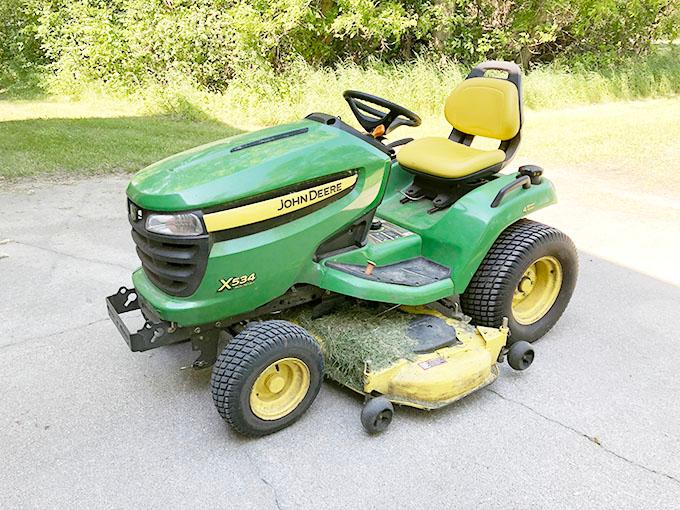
(520, 355)
(376, 415)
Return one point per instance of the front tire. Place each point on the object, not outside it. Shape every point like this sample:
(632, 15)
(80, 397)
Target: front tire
(267, 377)
(528, 276)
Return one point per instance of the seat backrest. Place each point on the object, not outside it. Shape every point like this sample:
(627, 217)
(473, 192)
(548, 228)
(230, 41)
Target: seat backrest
(489, 107)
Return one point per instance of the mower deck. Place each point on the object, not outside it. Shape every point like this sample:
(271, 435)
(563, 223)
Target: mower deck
(413, 356)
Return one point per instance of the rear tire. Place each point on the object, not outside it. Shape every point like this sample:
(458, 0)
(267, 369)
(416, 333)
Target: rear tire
(267, 377)
(522, 246)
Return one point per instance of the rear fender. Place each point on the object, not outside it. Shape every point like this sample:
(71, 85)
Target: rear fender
(472, 225)
(460, 237)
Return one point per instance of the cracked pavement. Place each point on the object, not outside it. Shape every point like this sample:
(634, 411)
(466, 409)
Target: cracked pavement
(595, 422)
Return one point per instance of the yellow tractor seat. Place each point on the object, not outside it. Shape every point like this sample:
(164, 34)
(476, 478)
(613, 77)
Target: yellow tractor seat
(484, 106)
(445, 169)
(440, 157)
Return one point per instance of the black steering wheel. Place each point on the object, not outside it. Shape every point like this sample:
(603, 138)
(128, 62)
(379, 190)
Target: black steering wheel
(371, 118)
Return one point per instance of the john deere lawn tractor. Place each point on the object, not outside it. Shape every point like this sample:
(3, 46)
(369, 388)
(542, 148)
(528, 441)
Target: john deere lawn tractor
(405, 271)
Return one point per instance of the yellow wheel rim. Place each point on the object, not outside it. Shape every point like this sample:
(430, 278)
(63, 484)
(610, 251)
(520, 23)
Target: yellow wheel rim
(279, 389)
(537, 290)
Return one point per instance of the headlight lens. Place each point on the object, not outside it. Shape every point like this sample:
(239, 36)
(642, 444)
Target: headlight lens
(183, 224)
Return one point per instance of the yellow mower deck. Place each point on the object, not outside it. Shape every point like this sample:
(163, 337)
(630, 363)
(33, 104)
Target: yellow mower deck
(426, 380)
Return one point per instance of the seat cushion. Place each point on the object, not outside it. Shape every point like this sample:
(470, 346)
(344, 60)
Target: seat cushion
(443, 158)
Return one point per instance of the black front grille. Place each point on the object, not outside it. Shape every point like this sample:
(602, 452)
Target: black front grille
(173, 264)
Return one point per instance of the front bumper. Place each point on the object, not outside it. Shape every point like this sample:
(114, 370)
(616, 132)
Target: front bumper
(154, 333)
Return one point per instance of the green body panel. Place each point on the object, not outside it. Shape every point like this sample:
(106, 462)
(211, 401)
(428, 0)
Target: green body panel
(350, 285)
(460, 236)
(282, 256)
(388, 252)
(212, 175)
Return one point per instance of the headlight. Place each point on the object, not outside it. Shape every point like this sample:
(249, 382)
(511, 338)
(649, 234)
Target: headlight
(182, 224)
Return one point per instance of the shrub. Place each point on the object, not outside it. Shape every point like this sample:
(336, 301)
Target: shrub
(20, 52)
(211, 42)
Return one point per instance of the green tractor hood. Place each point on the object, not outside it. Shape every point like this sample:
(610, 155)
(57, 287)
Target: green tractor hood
(249, 164)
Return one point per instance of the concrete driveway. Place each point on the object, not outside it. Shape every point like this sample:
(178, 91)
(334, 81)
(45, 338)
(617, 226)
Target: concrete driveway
(85, 423)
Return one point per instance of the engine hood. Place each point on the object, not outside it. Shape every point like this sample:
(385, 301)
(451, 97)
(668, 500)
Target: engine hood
(250, 164)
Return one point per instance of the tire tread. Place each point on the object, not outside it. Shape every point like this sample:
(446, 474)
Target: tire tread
(483, 298)
(239, 357)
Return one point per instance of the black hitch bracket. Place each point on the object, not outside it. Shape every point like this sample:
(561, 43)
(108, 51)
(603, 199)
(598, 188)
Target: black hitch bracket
(205, 338)
(154, 333)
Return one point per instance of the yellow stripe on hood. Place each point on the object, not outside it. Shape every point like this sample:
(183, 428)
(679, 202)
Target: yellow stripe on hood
(273, 207)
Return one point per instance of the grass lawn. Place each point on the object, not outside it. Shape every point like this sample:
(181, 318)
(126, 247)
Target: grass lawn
(57, 137)
(90, 137)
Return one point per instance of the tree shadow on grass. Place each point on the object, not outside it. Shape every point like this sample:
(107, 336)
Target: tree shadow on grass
(88, 146)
